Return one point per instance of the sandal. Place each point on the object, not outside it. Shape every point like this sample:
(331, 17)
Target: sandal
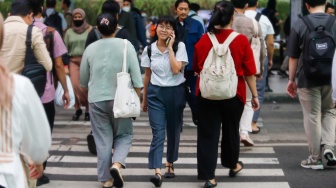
(257, 131)
(170, 174)
(208, 184)
(156, 180)
(76, 116)
(233, 173)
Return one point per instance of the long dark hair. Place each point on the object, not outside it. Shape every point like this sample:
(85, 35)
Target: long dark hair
(172, 22)
(221, 15)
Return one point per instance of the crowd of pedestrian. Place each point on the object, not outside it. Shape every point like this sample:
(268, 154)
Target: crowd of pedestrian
(218, 67)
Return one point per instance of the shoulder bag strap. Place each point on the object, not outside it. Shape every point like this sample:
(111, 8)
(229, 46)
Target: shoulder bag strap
(258, 16)
(125, 56)
(29, 44)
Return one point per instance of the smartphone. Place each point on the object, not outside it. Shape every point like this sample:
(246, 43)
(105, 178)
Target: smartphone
(167, 41)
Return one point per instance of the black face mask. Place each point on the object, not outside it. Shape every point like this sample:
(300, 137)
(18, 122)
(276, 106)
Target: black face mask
(78, 23)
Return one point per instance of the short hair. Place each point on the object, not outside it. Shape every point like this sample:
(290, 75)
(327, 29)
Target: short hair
(329, 5)
(129, 1)
(51, 3)
(221, 15)
(195, 7)
(111, 7)
(315, 3)
(239, 3)
(36, 6)
(177, 3)
(106, 24)
(252, 3)
(67, 2)
(20, 8)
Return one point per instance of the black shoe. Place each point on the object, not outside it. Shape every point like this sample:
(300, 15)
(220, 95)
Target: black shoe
(208, 184)
(87, 116)
(42, 180)
(234, 173)
(270, 73)
(118, 180)
(268, 89)
(283, 73)
(170, 174)
(156, 180)
(76, 116)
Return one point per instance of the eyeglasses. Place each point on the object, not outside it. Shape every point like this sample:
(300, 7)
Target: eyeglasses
(167, 28)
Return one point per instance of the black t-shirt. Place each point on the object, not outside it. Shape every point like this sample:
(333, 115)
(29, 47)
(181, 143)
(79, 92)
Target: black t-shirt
(122, 34)
(296, 40)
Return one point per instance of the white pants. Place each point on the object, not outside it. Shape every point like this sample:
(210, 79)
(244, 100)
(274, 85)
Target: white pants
(246, 118)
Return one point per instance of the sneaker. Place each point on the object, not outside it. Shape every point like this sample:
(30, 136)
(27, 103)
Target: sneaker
(108, 184)
(329, 155)
(309, 163)
(117, 177)
(246, 140)
(42, 180)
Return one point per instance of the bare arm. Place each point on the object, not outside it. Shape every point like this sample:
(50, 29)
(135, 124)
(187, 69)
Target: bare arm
(270, 50)
(147, 77)
(59, 68)
(291, 86)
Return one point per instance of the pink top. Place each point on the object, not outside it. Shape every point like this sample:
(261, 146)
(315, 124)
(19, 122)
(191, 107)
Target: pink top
(59, 50)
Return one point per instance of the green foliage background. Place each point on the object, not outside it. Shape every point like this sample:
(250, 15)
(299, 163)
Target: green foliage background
(151, 7)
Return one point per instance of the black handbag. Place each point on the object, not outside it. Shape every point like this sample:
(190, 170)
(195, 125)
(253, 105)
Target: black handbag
(91, 144)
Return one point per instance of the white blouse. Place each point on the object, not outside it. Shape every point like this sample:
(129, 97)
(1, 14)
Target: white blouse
(29, 133)
(162, 74)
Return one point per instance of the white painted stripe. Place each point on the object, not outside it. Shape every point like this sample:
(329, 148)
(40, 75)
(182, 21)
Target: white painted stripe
(137, 160)
(145, 149)
(81, 184)
(144, 171)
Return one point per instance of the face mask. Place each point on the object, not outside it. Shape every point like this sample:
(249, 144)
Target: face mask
(126, 9)
(78, 23)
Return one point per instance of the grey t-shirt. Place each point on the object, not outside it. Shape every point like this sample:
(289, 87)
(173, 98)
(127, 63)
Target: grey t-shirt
(296, 41)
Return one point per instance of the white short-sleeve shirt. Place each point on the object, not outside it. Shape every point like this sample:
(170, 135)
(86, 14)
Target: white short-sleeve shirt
(265, 24)
(159, 64)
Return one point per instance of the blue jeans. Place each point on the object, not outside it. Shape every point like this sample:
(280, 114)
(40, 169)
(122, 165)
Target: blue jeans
(109, 131)
(261, 84)
(165, 108)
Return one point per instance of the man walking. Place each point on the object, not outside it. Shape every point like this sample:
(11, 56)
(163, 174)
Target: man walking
(314, 92)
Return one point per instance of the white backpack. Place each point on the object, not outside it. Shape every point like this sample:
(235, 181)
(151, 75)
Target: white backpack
(218, 78)
(258, 48)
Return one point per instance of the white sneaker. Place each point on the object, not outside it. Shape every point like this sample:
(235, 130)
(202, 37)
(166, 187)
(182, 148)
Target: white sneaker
(108, 184)
(246, 140)
(329, 155)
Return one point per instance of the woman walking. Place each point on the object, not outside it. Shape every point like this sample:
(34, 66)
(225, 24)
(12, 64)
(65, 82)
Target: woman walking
(163, 94)
(217, 115)
(24, 128)
(98, 73)
(75, 39)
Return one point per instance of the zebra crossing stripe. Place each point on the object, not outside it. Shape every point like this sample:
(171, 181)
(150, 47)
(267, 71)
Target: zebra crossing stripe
(144, 149)
(81, 184)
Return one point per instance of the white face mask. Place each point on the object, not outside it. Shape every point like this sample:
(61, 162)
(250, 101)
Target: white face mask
(126, 9)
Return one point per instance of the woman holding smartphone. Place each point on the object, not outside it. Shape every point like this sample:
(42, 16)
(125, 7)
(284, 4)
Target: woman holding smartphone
(163, 94)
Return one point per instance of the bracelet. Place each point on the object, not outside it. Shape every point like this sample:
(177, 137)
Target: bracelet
(254, 96)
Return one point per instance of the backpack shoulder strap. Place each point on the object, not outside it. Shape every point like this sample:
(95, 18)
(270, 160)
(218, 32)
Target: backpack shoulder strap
(97, 33)
(255, 27)
(308, 23)
(213, 39)
(192, 15)
(258, 16)
(230, 38)
(49, 37)
(149, 51)
(330, 23)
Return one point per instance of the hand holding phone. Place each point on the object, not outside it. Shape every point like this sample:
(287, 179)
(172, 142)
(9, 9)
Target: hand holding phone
(167, 41)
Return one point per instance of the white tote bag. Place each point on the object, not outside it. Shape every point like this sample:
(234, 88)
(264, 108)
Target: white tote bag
(59, 94)
(126, 101)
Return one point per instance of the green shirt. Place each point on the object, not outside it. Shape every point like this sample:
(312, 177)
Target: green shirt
(75, 42)
(101, 62)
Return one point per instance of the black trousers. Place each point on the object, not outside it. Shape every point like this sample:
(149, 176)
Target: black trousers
(215, 115)
(49, 109)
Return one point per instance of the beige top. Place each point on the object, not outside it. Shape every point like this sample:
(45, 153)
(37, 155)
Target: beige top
(14, 47)
(244, 25)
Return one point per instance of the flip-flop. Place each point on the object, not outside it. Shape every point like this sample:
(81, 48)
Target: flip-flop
(234, 173)
(256, 132)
